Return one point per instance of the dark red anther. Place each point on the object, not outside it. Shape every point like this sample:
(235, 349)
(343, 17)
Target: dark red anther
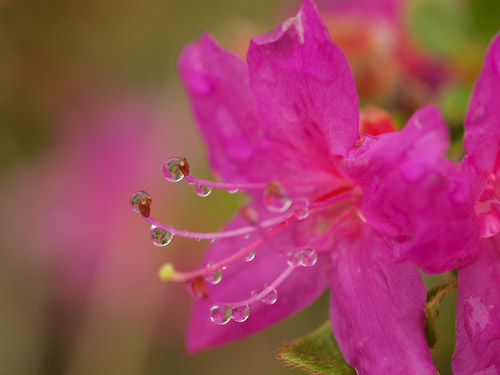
(199, 288)
(145, 206)
(184, 166)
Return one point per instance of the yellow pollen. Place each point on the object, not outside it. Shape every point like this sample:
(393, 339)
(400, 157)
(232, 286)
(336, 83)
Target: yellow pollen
(166, 272)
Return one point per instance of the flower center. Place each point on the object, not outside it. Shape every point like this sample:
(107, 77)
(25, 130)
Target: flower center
(285, 211)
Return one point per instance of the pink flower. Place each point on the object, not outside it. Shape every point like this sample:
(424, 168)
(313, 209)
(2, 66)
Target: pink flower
(345, 206)
(478, 301)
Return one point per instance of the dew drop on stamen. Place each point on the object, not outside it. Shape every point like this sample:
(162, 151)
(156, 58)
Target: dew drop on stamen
(309, 257)
(136, 199)
(304, 258)
(232, 191)
(240, 313)
(271, 295)
(160, 237)
(301, 208)
(294, 258)
(250, 256)
(215, 277)
(247, 236)
(275, 198)
(203, 190)
(211, 240)
(220, 314)
(172, 171)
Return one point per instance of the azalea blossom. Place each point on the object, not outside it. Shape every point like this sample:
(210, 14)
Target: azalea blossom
(329, 205)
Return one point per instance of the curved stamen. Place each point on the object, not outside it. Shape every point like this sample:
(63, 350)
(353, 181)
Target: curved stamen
(217, 235)
(244, 230)
(225, 185)
(243, 252)
(270, 288)
(330, 201)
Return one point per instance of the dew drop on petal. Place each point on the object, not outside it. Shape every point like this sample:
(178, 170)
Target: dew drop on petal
(250, 256)
(215, 277)
(220, 314)
(275, 198)
(171, 170)
(301, 208)
(309, 257)
(240, 313)
(203, 190)
(160, 237)
(271, 295)
(136, 199)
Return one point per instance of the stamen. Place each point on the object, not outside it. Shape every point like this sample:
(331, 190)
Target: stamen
(216, 235)
(242, 253)
(230, 187)
(330, 201)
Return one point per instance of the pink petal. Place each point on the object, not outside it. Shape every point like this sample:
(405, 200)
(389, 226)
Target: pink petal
(410, 190)
(377, 309)
(299, 290)
(482, 123)
(241, 146)
(478, 313)
(218, 86)
(304, 87)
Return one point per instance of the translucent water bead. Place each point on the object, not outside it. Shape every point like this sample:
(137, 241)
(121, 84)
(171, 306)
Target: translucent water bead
(160, 237)
(250, 256)
(172, 169)
(301, 207)
(137, 198)
(240, 313)
(215, 277)
(203, 190)
(220, 314)
(305, 258)
(269, 298)
(275, 197)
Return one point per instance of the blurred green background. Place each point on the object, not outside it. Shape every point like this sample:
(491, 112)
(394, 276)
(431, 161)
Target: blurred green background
(91, 106)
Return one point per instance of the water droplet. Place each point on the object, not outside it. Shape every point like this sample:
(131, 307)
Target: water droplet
(254, 293)
(215, 277)
(294, 258)
(232, 191)
(220, 314)
(301, 208)
(309, 257)
(271, 295)
(247, 236)
(250, 256)
(306, 258)
(203, 190)
(240, 313)
(136, 199)
(198, 239)
(160, 237)
(275, 197)
(211, 240)
(171, 170)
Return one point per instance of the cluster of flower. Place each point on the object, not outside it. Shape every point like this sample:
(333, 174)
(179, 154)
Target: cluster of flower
(335, 201)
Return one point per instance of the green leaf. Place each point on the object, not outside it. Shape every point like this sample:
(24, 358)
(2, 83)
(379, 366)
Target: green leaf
(317, 353)
(434, 297)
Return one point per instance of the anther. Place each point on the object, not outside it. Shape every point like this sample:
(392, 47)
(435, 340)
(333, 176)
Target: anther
(145, 206)
(166, 272)
(184, 166)
(199, 288)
